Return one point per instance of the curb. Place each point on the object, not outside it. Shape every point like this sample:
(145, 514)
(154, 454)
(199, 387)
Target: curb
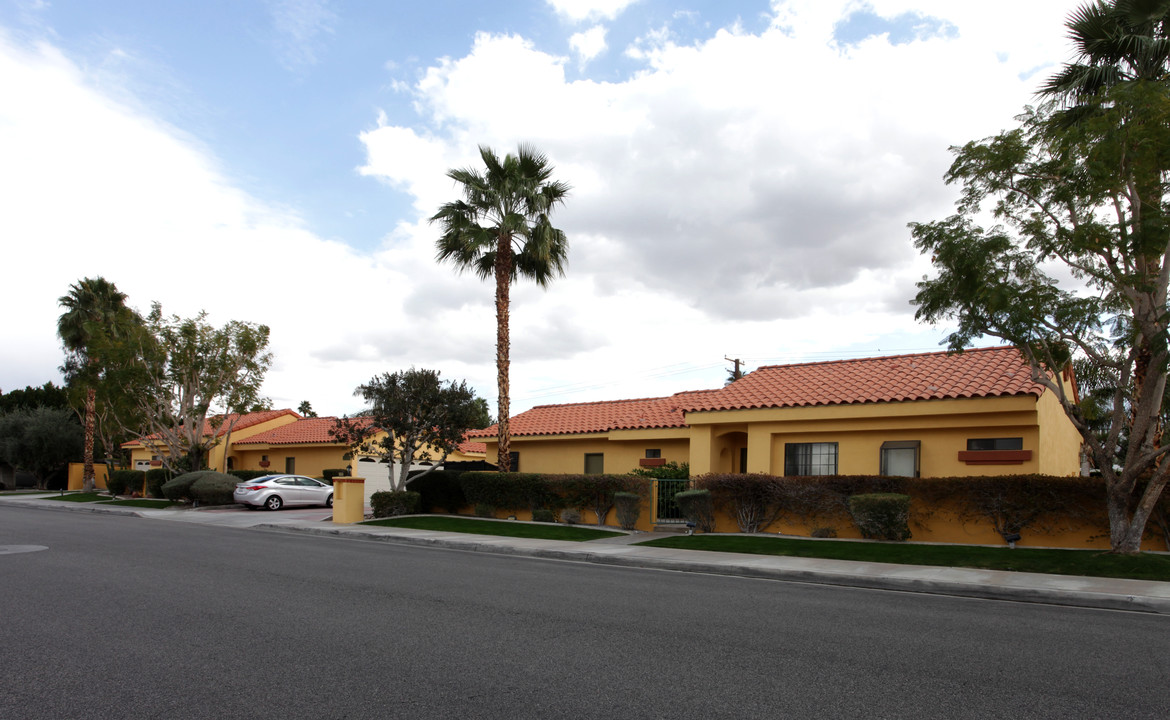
(977, 590)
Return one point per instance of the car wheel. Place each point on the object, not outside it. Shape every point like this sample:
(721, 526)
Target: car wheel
(329, 502)
(274, 503)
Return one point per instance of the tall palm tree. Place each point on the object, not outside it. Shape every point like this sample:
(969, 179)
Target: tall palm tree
(501, 228)
(93, 306)
(1117, 42)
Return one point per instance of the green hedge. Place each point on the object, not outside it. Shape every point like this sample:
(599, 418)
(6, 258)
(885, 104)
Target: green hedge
(697, 507)
(155, 479)
(629, 506)
(329, 473)
(214, 488)
(119, 482)
(881, 516)
(530, 491)
(439, 491)
(386, 503)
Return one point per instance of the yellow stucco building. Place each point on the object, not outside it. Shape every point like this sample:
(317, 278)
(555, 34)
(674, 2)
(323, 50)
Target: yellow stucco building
(923, 415)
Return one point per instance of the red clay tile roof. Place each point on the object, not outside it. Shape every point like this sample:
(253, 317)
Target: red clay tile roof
(986, 372)
(242, 421)
(305, 430)
(471, 447)
(662, 412)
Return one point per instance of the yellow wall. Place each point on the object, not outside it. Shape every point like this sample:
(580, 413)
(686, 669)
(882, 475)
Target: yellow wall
(621, 450)
(311, 459)
(1060, 444)
(77, 476)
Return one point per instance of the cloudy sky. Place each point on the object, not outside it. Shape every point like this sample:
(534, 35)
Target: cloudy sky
(743, 172)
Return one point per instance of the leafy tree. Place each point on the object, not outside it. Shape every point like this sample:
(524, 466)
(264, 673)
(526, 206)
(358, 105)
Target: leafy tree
(47, 396)
(187, 377)
(410, 413)
(482, 417)
(1078, 265)
(306, 409)
(40, 440)
(501, 229)
(95, 314)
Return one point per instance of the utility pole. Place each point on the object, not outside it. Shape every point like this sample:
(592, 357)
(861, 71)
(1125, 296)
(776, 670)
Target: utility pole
(736, 374)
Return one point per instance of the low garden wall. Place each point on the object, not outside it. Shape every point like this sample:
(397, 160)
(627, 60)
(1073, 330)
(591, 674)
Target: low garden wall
(1044, 511)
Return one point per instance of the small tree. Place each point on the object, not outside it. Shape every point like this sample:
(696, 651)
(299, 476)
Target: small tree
(41, 440)
(413, 417)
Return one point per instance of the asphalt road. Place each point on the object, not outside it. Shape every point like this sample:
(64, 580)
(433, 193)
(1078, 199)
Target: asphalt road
(121, 617)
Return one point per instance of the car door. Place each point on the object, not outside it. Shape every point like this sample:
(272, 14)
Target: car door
(315, 491)
(290, 491)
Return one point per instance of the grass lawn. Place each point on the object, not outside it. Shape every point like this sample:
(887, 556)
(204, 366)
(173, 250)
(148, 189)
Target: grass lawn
(1092, 563)
(494, 527)
(142, 503)
(80, 497)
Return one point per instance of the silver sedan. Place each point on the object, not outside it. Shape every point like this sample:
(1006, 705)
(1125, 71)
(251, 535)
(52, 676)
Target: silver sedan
(276, 491)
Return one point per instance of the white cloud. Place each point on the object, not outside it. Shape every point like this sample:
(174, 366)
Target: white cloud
(581, 10)
(299, 25)
(588, 44)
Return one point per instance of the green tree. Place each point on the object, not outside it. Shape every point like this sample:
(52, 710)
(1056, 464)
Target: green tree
(410, 413)
(306, 409)
(47, 395)
(501, 229)
(190, 381)
(482, 417)
(40, 440)
(1077, 266)
(95, 314)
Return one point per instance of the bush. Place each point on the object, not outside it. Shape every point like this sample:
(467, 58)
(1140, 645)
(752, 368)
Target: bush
(629, 506)
(881, 516)
(155, 479)
(508, 491)
(543, 515)
(388, 503)
(484, 510)
(595, 492)
(329, 473)
(667, 471)
(752, 499)
(570, 516)
(214, 488)
(697, 507)
(179, 487)
(439, 490)
(118, 482)
(245, 475)
(823, 532)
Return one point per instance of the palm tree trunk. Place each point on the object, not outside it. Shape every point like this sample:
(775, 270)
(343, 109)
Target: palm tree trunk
(88, 481)
(503, 283)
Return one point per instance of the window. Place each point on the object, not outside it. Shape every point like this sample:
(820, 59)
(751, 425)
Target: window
(231, 463)
(653, 454)
(810, 458)
(290, 465)
(743, 460)
(900, 458)
(594, 463)
(995, 444)
(515, 457)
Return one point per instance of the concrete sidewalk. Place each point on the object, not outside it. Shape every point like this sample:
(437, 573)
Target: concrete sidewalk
(1105, 593)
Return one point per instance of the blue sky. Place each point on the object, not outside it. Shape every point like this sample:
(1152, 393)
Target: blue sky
(743, 174)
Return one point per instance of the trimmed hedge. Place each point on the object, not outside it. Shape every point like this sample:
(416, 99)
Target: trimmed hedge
(155, 479)
(245, 475)
(181, 487)
(439, 490)
(697, 507)
(329, 473)
(629, 506)
(387, 503)
(519, 491)
(119, 482)
(881, 516)
(214, 489)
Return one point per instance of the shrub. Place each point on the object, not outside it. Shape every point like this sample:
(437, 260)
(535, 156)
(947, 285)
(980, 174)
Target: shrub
(696, 507)
(329, 473)
(543, 515)
(439, 490)
(180, 487)
(245, 475)
(484, 510)
(881, 516)
(155, 479)
(214, 488)
(570, 516)
(388, 503)
(629, 506)
(118, 482)
(752, 499)
(595, 491)
(667, 471)
(823, 532)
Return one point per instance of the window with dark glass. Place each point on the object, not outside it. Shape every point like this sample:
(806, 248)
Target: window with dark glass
(653, 454)
(1016, 443)
(810, 458)
(594, 463)
(899, 458)
(290, 465)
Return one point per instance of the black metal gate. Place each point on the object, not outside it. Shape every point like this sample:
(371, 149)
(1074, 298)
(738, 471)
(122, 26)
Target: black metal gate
(666, 509)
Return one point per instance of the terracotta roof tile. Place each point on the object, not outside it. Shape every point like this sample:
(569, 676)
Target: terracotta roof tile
(985, 372)
(303, 431)
(592, 417)
(246, 420)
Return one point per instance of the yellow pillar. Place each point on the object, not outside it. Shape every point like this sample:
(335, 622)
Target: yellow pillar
(349, 500)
